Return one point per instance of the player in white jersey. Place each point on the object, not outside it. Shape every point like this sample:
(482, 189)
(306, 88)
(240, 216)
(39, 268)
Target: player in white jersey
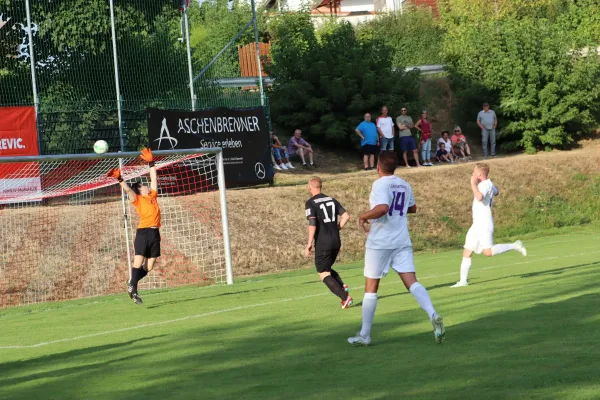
(480, 235)
(388, 244)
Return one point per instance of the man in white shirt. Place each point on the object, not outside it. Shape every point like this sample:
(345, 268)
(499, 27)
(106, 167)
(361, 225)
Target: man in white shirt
(385, 128)
(388, 244)
(480, 235)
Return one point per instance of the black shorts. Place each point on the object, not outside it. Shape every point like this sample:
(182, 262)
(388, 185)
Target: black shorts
(369, 149)
(324, 259)
(147, 243)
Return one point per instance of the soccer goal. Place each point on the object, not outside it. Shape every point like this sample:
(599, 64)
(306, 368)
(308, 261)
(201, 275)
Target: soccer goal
(67, 230)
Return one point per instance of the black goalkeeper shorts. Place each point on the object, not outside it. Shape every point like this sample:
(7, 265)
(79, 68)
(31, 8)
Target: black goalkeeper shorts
(147, 243)
(324, 259)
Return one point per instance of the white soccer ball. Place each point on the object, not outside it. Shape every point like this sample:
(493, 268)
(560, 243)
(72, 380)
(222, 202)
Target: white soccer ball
(100, 147)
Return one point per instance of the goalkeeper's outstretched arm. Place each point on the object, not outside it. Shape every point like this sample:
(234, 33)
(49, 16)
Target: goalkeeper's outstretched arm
(130, 193)
(153, 178)
(116, 173)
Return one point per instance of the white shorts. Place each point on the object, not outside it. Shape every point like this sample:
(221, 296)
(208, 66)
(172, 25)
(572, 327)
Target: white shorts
(479, 238)
(378, 261)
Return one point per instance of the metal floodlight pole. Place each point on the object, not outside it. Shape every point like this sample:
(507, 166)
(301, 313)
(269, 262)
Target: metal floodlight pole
(258, 64)
(189, 55)
(116, 67)
(36, 100)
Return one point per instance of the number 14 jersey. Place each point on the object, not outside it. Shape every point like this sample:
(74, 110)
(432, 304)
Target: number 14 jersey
(326, 211)
(390, 231)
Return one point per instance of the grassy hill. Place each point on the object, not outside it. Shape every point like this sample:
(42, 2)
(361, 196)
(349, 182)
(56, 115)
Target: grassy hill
(540, 192)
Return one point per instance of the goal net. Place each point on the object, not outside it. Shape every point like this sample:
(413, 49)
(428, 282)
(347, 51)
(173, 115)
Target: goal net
(67, 230)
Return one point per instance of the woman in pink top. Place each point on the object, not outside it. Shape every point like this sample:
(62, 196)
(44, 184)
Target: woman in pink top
(424, 128)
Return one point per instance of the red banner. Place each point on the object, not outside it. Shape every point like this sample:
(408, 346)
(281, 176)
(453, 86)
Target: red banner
(18, 137)
(18, 134)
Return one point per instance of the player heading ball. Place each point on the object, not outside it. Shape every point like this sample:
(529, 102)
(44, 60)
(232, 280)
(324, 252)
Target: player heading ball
(147, 236)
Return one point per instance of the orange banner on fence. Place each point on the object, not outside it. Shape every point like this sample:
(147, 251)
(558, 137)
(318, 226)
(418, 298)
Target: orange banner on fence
(18, 137)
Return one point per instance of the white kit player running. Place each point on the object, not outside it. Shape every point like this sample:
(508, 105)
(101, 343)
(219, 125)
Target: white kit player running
(480, 237)
(388, 244)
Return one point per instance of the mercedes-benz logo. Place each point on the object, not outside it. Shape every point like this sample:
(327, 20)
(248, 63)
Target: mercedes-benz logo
(165, 135)
(259, 169)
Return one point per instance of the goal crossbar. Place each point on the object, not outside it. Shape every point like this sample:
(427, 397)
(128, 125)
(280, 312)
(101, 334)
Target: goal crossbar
(92, 156)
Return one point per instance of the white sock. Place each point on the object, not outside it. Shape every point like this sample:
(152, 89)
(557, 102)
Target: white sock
(422, 298)
(465, 266)
(369, 305)
(502, 248)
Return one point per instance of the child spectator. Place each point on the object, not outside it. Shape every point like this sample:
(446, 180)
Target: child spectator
(442, 155)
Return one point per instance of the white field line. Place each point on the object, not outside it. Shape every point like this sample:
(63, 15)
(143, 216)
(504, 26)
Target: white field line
(251, 281)
(208, 314)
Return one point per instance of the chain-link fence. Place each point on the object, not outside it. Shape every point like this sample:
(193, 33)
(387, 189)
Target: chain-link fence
(93, 76)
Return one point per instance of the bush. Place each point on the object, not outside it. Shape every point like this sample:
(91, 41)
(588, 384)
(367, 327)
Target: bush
(324, 84)
(414, 36)
(528, 59)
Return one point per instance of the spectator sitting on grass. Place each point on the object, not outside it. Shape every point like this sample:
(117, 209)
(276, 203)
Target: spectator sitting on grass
(279, 154)
(299, 148)
(442, 155)
(460, 147)
(445, 139)
(369, 141)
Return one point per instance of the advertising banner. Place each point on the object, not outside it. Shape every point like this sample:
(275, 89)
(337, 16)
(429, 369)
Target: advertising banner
(241, 133)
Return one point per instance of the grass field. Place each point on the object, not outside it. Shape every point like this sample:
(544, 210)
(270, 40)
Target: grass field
(526, 328)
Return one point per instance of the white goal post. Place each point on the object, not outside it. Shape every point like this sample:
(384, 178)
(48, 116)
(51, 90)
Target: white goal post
(66, 229)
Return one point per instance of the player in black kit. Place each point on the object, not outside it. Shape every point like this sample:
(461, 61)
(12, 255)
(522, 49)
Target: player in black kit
(326, 217)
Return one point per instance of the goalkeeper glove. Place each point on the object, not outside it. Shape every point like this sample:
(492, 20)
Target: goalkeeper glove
(147, 156)
(115, 173)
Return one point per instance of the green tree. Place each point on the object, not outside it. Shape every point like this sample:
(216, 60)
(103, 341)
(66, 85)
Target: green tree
(213, 25)
(74, 66)
(414, 36)
(529, 59)
(325, 85)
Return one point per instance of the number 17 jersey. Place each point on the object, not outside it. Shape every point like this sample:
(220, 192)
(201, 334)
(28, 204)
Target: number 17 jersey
(390, 231)
(326, 211)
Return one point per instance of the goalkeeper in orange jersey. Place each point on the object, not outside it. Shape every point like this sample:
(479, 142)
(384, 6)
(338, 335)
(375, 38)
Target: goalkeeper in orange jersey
(147, 236)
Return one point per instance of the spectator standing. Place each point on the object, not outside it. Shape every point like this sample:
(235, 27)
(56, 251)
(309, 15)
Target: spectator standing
(424, 128)
(369, 141)
(279, 154)
(385, 128)
(487, 121)
(407, 142)
(460, 147)
(445, 139)
(300, 148)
